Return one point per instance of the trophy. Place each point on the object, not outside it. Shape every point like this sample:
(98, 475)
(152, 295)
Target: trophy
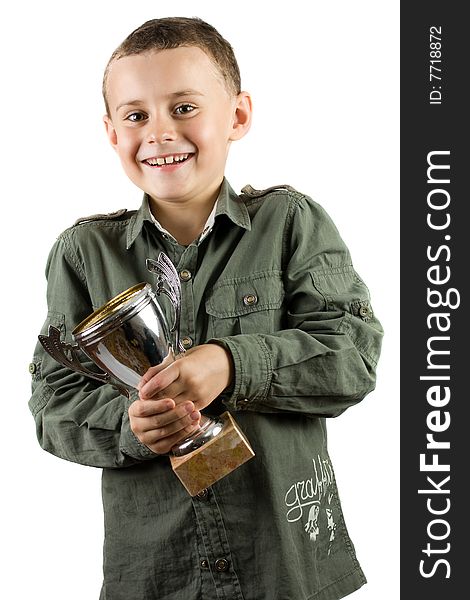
(127, 336)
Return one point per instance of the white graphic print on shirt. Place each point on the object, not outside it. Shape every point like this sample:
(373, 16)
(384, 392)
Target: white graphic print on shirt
(315, 492)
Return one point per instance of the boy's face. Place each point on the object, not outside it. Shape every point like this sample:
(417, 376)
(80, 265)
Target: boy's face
(171, 122)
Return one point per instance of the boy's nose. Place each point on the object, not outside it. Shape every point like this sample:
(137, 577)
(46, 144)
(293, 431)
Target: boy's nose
(161, 130)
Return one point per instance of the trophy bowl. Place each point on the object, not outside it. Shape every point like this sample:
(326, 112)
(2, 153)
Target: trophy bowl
(127, 335)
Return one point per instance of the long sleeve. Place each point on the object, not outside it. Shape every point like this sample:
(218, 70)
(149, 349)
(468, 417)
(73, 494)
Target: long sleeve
(77, 418)
(324, 359)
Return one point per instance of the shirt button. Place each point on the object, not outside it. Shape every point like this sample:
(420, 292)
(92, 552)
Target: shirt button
(365, 311)
(185, 275)
(203, 494)
(221, 564)
(250, 299)
(32, 368)
(187, 342)
(204, 564)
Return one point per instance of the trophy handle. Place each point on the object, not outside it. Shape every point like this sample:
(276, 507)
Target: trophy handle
(66, 355)
(168, 283)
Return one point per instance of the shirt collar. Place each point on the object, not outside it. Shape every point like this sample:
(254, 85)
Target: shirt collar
(228, 203)
(205, 232)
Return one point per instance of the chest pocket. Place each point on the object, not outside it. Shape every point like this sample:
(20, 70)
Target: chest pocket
(251, 304)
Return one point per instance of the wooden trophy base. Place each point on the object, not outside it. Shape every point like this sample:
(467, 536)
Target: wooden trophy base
(215, 459)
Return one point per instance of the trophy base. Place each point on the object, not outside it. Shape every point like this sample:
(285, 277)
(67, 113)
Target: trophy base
(215, 459)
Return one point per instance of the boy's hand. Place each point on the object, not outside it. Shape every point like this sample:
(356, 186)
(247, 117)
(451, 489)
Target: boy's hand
(160, 424)
(170, 400)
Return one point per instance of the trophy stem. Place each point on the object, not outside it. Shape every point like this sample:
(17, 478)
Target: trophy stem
(209, 428)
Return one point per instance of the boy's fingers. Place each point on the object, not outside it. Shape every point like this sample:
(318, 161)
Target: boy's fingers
(162, 421)
(151, 372)
(148, 408)
(159, 382)
(163, 446)
(181, 426)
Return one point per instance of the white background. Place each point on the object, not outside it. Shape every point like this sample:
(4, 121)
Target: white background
(324, 81)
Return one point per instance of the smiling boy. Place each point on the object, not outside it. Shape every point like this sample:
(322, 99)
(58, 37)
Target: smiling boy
(278, 328)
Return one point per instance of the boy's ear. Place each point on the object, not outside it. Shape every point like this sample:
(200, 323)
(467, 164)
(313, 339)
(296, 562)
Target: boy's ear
(110, 131)
(242, 116)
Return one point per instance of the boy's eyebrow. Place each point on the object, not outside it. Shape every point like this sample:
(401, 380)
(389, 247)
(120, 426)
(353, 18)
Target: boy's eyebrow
(187, 93)
(129, 103)
(172, 95)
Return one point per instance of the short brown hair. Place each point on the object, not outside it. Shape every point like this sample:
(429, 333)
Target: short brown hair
(173, 32)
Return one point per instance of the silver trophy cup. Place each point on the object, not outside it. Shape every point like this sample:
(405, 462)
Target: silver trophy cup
(127, 336)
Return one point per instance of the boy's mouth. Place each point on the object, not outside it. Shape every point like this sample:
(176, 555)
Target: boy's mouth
(170, 159)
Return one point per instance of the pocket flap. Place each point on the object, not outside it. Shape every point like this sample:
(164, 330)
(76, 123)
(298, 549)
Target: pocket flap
(243, 295)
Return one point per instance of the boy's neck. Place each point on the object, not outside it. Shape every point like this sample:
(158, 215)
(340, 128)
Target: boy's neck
(185, 221)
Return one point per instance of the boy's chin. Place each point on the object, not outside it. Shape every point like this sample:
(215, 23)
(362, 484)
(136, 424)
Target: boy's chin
(170, 193)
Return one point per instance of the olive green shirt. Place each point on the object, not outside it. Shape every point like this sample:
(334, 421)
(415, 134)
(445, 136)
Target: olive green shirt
(274, 283)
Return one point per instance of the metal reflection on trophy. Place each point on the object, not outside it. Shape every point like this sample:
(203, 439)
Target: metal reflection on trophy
(125, 338)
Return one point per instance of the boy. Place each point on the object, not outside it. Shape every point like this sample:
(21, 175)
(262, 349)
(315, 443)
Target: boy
(278, 328)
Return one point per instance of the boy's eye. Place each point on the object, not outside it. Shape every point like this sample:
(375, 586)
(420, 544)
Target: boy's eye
(184, 109)
(135, 117)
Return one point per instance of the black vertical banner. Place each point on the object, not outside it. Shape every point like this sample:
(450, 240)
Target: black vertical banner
(435, 329)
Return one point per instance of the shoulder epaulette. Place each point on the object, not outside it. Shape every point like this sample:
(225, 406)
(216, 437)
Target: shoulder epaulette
(250, 191)
(102, 217)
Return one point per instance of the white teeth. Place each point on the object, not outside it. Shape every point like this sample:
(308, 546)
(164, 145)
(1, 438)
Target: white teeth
(168, 160)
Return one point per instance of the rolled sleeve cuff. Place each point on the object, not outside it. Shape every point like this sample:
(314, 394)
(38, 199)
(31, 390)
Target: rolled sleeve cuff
(367, 337)
(253, 371)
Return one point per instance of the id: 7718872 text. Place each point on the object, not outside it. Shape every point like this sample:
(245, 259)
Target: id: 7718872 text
(435, 64)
